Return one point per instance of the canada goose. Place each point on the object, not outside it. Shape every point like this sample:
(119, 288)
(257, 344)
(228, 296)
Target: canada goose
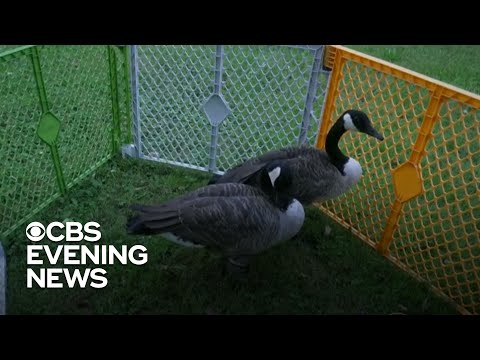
(317, 175)
(237, 220)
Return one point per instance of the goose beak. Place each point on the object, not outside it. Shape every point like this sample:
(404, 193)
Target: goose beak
(375, 134)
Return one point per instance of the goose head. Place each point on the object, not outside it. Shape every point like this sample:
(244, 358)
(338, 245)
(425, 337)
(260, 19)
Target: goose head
(355, 120)
(279, 174)
(350, 120)
(275, 179)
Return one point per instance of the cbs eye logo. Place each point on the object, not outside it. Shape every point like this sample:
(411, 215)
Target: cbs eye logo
(35, 231)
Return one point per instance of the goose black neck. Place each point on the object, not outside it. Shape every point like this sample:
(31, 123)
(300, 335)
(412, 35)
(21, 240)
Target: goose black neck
(331, 146)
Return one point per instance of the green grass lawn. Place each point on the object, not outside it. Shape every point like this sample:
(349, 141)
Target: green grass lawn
(312, 274)
(455, 64)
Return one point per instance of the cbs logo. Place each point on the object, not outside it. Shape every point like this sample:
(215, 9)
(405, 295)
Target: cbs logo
(75, 231)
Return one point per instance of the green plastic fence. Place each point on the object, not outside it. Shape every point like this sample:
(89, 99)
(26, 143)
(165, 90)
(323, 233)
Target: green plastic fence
(63, 112)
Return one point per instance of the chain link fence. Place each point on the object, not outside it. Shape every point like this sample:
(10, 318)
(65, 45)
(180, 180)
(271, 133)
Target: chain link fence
(210, 107)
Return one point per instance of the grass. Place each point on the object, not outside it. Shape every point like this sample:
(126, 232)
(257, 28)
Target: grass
(312, 274)
(455, 64)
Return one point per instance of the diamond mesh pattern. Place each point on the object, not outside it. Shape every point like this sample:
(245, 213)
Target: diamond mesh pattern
(27, 177)
(77, 86)
(438, 236)
(396, 109)
(174, 82)
(437, 233)
(78, 89)
(264, 86)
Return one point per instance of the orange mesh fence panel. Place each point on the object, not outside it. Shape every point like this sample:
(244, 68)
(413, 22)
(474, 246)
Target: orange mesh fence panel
(418, 202)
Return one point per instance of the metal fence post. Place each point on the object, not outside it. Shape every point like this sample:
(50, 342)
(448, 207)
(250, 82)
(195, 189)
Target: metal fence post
(217, 91)
(311, 94)
(135, 100)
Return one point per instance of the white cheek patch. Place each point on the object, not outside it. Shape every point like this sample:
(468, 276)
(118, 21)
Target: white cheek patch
(274, 174)
(348, 123)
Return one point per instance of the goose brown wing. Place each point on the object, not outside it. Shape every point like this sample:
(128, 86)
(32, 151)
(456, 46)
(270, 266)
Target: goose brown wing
(230, 224)
(231, 217)
(244, 172)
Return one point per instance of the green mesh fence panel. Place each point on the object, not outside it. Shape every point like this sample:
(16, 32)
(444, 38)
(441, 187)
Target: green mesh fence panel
(75, 84)
(78, 88)
(27, 176)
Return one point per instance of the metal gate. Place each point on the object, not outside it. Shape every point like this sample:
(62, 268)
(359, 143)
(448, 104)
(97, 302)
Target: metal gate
(209, 107)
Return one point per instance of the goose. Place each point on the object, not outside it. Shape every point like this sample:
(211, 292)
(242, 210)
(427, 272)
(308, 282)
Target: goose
(236, 220)
(317, 175)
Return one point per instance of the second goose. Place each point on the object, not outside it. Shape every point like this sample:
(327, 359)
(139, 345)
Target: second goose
(317, 175)
(237, 220)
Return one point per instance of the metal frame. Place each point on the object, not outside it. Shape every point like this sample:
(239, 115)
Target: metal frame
(217, 91)
(311, 94)
(311, 97)
(135, 101)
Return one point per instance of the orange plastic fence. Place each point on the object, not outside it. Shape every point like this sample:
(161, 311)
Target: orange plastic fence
(418, 202)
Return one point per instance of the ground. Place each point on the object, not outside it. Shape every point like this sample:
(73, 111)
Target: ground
(313, 273)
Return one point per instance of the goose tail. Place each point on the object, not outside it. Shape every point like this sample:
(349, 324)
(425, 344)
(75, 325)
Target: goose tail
(150, 220)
